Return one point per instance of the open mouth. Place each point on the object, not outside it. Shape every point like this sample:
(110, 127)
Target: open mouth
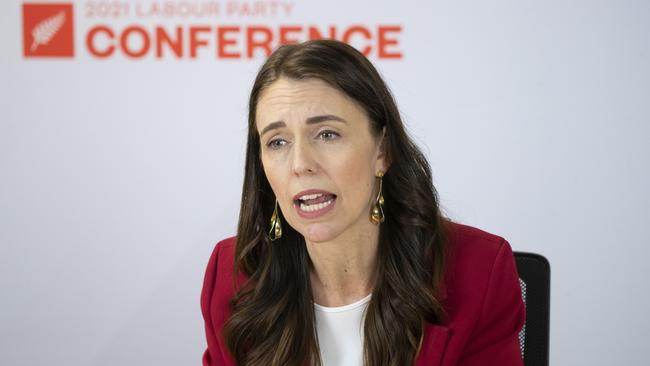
(314, 202)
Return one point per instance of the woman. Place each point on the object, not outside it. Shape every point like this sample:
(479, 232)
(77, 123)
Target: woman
(357, 265)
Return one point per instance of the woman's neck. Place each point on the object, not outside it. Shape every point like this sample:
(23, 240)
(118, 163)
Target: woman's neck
(343, 269)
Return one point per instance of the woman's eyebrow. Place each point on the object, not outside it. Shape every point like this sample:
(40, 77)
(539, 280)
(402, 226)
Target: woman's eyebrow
(323, 118)
(309, 121)
(272, 126)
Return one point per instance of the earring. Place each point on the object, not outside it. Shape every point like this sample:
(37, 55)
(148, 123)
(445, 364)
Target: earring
(276, 226)
(377, 213)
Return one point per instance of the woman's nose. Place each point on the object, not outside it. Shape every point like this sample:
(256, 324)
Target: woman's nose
(303, 159)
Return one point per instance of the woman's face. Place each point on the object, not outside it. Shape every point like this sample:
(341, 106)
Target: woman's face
(320, 157)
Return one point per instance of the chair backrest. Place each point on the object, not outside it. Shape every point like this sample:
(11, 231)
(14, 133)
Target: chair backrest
(535, 280)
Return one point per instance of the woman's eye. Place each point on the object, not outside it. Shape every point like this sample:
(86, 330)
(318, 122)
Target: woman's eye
(328, 135)
(276, 144)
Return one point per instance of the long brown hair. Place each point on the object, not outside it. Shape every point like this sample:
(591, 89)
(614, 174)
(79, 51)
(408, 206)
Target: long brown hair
(272, 321)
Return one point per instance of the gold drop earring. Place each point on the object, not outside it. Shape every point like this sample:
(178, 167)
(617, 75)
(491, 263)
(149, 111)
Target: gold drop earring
(276, 225)
(377, 212)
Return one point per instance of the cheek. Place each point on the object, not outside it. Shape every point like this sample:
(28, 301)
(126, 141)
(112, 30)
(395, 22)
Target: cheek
(272, 173)
(356, 175)
(277, 176)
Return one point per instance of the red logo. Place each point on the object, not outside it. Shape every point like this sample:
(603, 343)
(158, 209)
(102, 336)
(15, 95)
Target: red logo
(48, 30)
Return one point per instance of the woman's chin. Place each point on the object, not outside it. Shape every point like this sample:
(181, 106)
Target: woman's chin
(316, 233)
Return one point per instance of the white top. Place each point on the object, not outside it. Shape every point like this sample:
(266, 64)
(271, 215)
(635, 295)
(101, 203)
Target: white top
(340, 334)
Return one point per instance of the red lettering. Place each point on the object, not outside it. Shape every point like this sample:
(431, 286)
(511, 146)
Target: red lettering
(222, 42)
(124, 41)
(383, 41)
(284, 34)
(314, 33)
(176, 45)
(194, 41)
(90, 41)
(253, 43)
(135, 41)
(358, 29)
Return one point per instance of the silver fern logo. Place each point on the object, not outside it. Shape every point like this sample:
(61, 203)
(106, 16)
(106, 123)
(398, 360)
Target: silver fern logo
(44, 31)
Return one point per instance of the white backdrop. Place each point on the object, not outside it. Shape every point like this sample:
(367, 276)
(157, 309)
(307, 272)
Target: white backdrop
(118, 175)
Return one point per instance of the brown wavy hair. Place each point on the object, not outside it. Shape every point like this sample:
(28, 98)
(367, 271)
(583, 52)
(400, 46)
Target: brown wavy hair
(273, 321)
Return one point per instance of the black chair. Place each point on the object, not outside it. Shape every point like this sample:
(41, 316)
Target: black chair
(535, 280)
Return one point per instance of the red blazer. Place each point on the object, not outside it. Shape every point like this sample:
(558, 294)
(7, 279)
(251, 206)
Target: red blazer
(481, 294)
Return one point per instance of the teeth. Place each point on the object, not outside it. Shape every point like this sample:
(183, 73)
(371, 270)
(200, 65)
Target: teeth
(316, 207)
(310, 196)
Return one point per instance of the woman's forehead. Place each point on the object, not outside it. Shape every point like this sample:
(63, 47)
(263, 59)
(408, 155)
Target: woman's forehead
(290, 98)
(285, 90)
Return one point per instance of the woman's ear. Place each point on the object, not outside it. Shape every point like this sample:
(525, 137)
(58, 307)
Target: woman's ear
(383, 161)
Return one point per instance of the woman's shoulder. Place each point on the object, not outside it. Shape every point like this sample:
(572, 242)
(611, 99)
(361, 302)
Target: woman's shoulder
(482, 297)
(473, 257)
(468, 234)
(467, 245)
(478, 263)
(219, 272)
(227, 243)
(223, 256)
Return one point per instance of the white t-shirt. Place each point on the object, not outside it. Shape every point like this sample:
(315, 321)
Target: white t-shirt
(340, 334)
